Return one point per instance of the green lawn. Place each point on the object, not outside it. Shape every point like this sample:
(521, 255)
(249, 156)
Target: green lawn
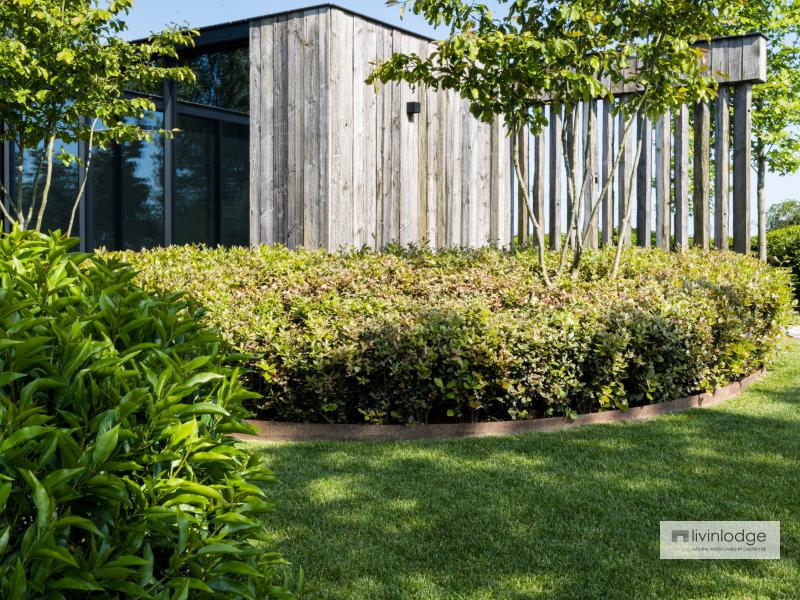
(564, 515)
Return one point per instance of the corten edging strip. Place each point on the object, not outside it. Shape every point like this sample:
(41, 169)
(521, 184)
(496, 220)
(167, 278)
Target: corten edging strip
(272, 431)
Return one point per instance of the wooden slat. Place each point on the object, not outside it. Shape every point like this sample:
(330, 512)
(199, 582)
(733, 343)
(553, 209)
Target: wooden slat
(556, 161)
(539, 177)
(485, 186)
(310, 145)
(438, 174)
(295, 131)
(371, 158)
(455, 137)
(267, 195)
(722, 141)
(469, 176)
(256, 102)
(322, 201)
(433, 171)
(644, 178)
(359, 129)
(572, 147)
(591, 192)
(663, 156)
(608, 168)
(341, 82)
(742, 155)
(523, 218)
(702, 159)
(624, 181)
(279, 129)
(754, 59)
(682, 179)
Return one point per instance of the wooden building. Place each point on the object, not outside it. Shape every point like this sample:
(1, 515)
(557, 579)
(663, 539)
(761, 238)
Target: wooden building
(338, 163)
(282, 142)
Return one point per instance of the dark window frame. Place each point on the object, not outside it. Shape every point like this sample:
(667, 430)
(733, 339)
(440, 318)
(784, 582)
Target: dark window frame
(211, 40)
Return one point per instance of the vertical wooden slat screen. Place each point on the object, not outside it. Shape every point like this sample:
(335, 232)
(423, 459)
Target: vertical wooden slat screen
(335, 164)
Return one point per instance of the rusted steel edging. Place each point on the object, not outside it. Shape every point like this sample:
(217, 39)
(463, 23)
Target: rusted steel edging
(272, 431)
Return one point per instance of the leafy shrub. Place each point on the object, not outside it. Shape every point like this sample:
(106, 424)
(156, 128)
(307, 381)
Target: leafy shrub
(411, 335)
(118, 473)
(783, 250)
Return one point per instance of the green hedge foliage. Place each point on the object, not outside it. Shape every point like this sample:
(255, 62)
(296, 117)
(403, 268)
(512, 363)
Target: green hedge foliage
(414, 336)
(783, 250)
(118, 473)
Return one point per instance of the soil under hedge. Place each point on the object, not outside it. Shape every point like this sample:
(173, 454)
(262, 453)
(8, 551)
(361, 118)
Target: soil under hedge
(413, 336)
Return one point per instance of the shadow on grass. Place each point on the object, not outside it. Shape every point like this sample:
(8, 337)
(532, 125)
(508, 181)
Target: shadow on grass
(566, 515)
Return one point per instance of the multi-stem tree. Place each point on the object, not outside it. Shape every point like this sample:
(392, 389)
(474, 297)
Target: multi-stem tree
(564, 52)
(64, 70)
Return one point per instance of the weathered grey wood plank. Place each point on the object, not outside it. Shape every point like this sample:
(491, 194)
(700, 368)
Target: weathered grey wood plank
(624, 177)
(722, 145)
(309, 144)
(359, 201)
(592, 190)
(322, 203)
(682, 179)
(663, 159)
(608, 172)
(539, 177)
(572, 153)
(556, 161)
(644, 179)
(742, 155)
(295, 130)
(523, 218)
(371, 158)
(256, 102)
(341, 82)
(702, 159)
(280, 128)
(407, 154)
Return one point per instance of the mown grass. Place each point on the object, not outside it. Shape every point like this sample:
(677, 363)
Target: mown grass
(565, 515)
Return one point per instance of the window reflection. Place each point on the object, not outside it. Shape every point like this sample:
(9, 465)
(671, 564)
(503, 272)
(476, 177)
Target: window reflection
(235, 202)
(195, 192)
(142, 189)
(223, 80)
(64, 186)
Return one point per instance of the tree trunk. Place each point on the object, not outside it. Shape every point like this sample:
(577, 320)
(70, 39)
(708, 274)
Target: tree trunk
(47, 182)
(761, 175)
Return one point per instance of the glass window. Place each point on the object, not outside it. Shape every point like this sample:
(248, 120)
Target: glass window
(195, 182)
(223, 80)
(103, 213)
(63, 187)
(142, 188)
(235, 202)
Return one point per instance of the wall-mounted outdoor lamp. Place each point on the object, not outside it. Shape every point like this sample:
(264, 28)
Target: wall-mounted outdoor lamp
(413, 108)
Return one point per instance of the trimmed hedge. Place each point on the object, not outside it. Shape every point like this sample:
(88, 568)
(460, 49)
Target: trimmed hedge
(783, 250)
(414, 336)
(118, 473)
